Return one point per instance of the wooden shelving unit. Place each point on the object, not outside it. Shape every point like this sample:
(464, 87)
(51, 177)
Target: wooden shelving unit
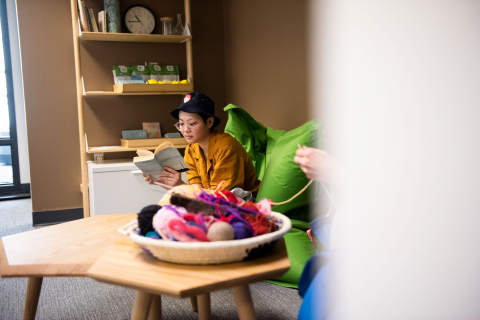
(116, 37)
(135, 144)
(129, 37)
(124, 149)
(144, 89)
(111, 93)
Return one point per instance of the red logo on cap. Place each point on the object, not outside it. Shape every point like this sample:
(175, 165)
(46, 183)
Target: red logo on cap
(187, 98)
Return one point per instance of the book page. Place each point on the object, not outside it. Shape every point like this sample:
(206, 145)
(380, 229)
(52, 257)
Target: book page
(170, 157)
(143, 153)
(149, 166)
(166, 144)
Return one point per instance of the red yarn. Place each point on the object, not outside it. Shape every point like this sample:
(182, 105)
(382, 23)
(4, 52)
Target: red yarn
(250, 205)
(260, 224)
(189, 216)
(229, 195)
(222, 217)
(186, 233)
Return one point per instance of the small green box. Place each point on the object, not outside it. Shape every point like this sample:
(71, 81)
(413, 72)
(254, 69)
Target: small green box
(134, 134)
(165, 74)
(172, 135)
(121, 73)
(140, 72)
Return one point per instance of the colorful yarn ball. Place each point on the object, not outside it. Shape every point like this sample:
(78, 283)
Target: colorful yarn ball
(220, 231)
(164, 216)
(227, 195)
(197, 218)
(250, 205)
(153, 235)
(192, 223)
(185, 231)
(207, 221)
(264, 206)
(260, 224)
(145, 218)
(242, 231)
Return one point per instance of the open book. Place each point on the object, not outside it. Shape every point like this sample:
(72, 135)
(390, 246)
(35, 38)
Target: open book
(152, 163)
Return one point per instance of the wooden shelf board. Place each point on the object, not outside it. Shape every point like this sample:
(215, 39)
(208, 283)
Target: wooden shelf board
(130, 37)
(152, 88)
(124, 149)
(111, 93)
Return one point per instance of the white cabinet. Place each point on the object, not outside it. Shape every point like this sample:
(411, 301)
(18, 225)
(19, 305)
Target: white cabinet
(117, 186)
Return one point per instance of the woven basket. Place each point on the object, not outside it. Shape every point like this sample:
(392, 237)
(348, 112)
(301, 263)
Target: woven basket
(215, 252)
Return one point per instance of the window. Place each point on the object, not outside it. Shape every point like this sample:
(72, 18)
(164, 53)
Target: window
(9, 166)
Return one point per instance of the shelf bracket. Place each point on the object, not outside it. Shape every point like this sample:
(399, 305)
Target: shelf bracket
(98, 157)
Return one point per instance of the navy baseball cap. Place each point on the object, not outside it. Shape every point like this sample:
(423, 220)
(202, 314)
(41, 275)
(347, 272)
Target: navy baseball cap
(195, 102)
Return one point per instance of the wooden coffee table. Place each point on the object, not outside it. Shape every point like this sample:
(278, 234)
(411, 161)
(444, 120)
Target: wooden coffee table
(127, 265)
(64, 250)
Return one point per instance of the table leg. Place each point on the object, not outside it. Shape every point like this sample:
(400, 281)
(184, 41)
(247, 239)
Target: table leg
(204, 312)
(141, 305)
(244, 303)
(34, 286)
(155, 312)
(193, 301)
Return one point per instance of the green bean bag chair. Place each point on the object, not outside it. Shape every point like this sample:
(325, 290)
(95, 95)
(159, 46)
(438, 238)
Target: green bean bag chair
(272, 153)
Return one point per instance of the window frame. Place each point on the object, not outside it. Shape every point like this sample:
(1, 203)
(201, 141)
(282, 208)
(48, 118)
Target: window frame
(14, 187)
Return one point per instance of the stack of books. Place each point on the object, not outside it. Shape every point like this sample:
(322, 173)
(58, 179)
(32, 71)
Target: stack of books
(87, 19)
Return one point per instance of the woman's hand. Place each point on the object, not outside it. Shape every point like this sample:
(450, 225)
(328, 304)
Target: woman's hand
(147, 178)
(171, 177)
(318, 164)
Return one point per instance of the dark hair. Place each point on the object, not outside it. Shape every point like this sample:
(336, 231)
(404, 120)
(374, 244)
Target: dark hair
(205, 117)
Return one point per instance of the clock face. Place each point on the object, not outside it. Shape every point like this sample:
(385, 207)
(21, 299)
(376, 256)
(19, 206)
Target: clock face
(140, 20)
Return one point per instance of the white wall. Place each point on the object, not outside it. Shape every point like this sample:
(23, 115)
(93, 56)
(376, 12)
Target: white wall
(18, 92)
(399, 85)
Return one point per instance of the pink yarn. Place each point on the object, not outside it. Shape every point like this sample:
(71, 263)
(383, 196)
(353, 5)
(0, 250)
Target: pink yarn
(186, 233)
(161, 219)
(208, 220)
(197, 218)
(264, 206)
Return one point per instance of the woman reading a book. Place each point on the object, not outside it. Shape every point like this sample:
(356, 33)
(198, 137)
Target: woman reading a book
(211, 156)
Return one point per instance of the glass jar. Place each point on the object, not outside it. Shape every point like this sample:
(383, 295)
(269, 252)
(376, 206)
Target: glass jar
(178, 30)
(167, 25)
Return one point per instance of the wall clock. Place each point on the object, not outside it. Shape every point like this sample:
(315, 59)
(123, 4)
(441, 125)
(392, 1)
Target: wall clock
(140, 19)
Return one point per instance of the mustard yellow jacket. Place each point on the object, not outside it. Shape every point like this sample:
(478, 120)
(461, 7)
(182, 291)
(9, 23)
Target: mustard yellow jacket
(227, 161)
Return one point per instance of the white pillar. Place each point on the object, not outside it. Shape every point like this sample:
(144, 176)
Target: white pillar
(398, 85)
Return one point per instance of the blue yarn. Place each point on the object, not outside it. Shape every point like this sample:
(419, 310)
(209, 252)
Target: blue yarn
(242, 231)
(153, 235)
(193, 223)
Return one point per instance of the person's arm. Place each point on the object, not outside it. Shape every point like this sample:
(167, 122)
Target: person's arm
(193, 177)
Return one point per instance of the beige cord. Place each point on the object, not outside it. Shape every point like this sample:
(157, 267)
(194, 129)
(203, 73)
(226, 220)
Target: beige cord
(287, 201)
(220, 184)
(304, 188)
(224, 197)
